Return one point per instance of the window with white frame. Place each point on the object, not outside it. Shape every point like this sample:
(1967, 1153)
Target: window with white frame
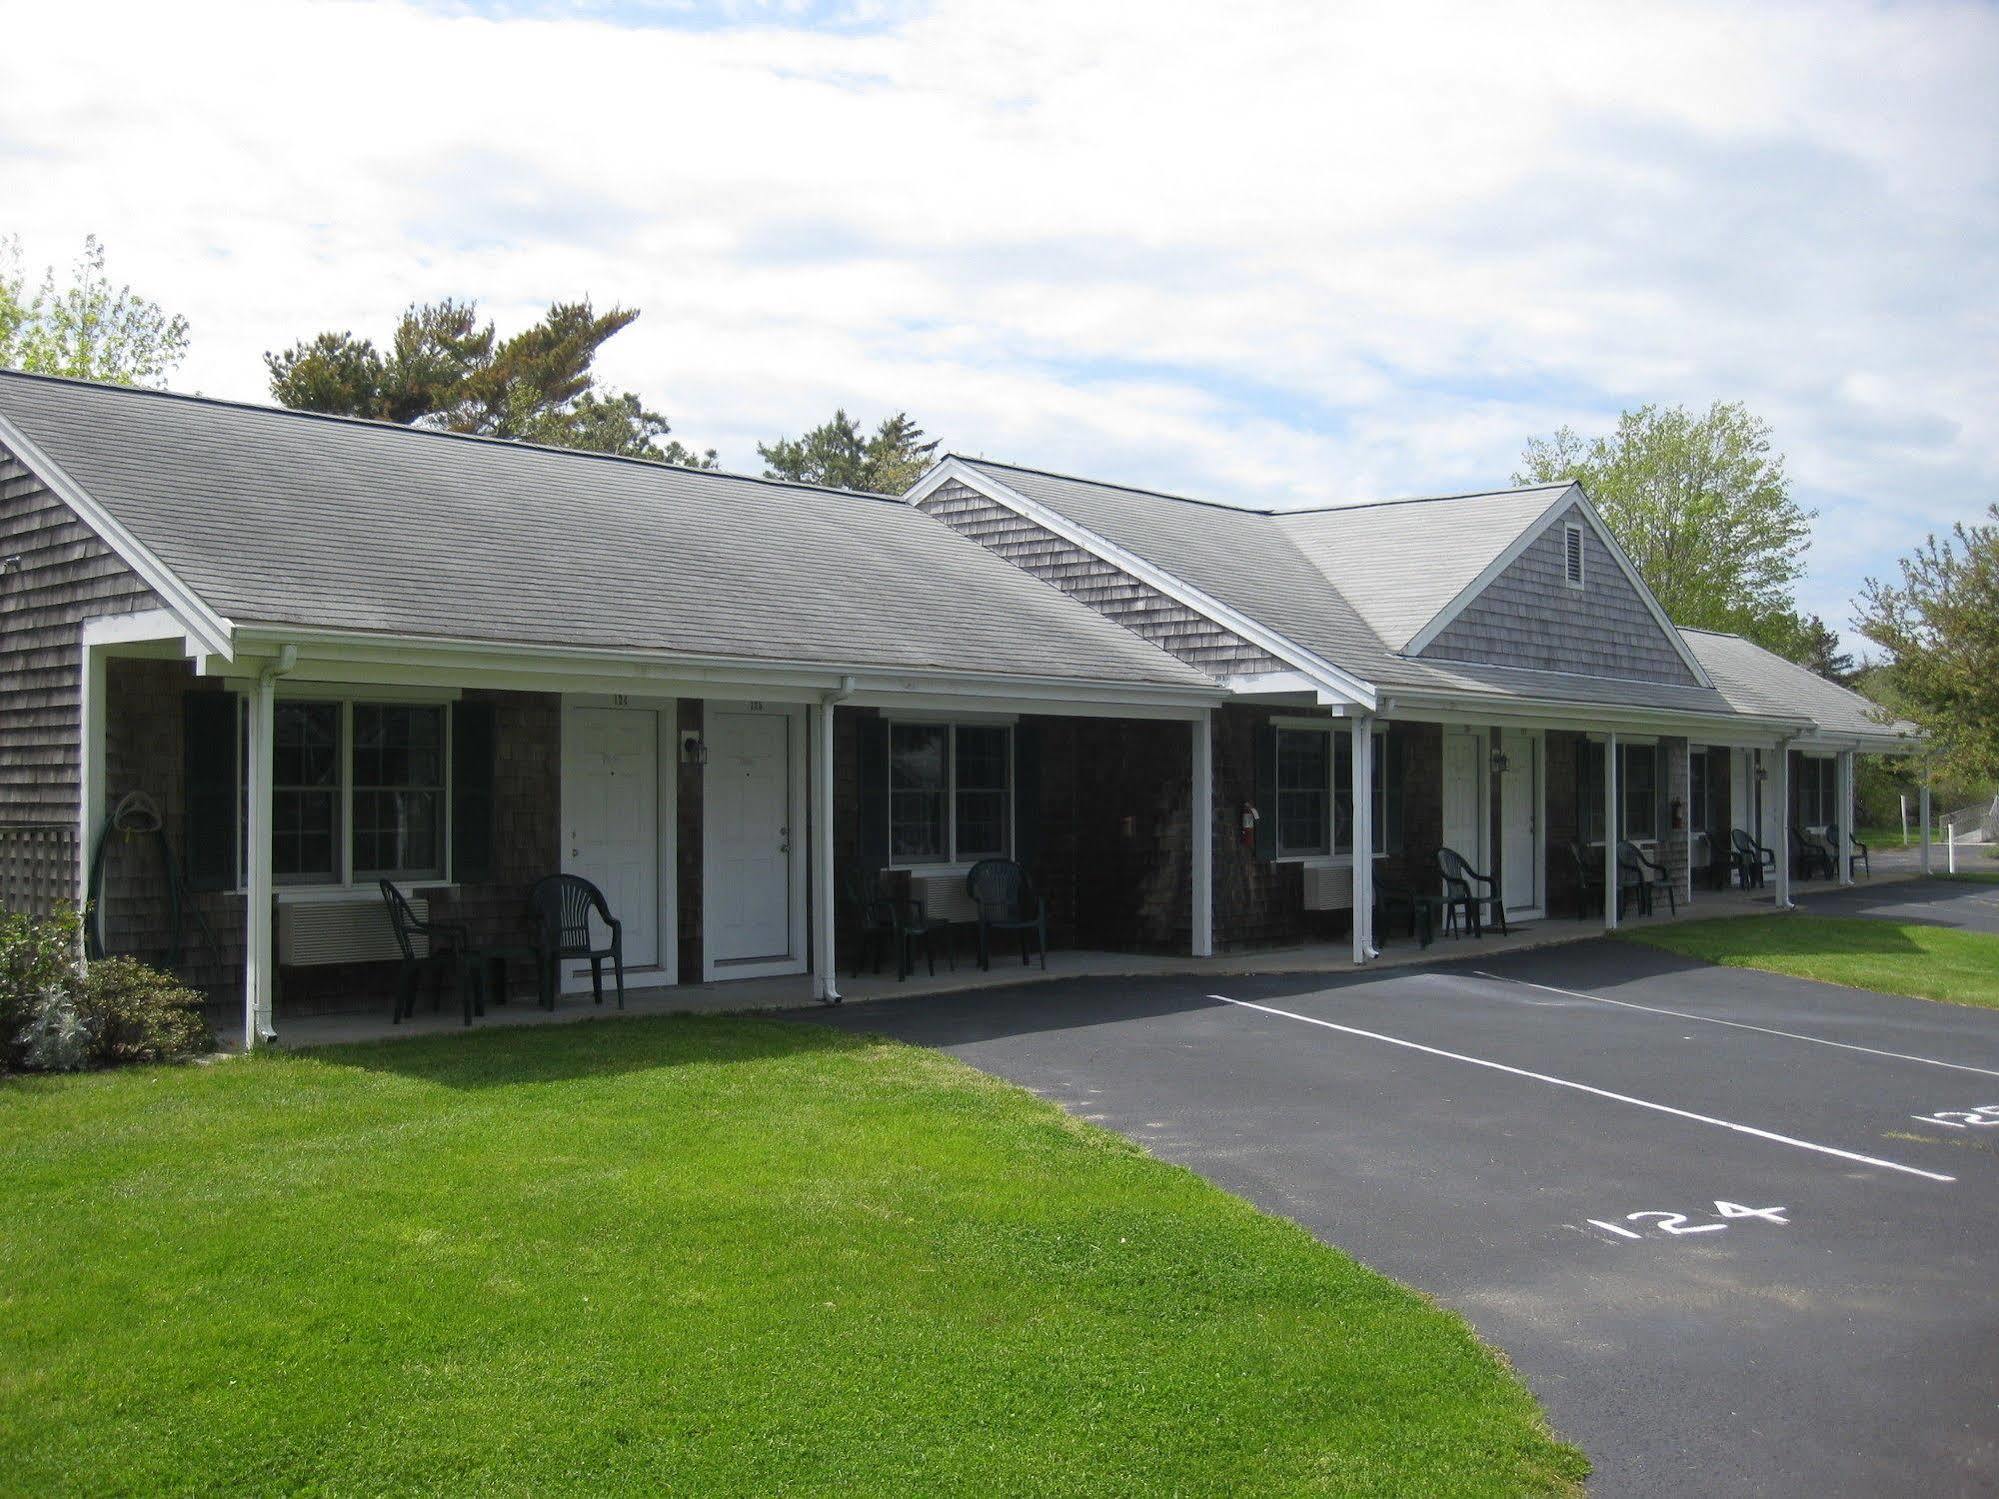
(359, 791)
(1304, 792)
(950, 792)
(1702, 766)
(1818, 791)
(1637, 792)
(305, 793)
(1314, 787)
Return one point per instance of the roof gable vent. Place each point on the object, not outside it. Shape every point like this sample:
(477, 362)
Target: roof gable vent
(1572, 551)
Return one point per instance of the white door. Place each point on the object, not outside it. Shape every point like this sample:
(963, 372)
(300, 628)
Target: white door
(1520, 821)
(1464, 770)
(610, 803)
(750, 838)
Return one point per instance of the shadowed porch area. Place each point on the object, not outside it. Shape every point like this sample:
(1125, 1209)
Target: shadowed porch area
(795, 991)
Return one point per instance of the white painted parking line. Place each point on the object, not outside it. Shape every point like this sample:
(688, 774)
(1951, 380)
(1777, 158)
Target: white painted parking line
(1562, 1082)
(1741, 1025)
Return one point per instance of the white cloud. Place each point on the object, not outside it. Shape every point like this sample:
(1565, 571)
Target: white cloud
(1260, 251)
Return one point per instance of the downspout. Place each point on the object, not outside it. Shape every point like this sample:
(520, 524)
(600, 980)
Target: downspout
(825, 973)
(259, 966)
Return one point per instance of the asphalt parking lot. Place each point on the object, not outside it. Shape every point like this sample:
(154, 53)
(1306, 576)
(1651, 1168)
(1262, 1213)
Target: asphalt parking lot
(1739, 1232)
(1972, 906)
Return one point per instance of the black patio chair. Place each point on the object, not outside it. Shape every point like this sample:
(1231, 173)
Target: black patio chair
(1808, 854)
(1749, 859)
(1589, 882)
(899, 922)
(1710, 866)
(1007, 902)
(1853, 843)
(449, 951)
(1645, 876)
(1459, 895)
(1394, 901)
(560, 907)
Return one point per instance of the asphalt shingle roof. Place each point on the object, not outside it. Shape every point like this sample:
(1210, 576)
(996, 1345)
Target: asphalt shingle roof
(1401, 562)
(280, 517)
(1758, 681)
(1306, 574)
(1252, 561)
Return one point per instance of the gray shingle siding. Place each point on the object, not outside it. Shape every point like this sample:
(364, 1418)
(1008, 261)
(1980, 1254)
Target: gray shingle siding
(1113, 593)
(1530, 617)
(67, 575)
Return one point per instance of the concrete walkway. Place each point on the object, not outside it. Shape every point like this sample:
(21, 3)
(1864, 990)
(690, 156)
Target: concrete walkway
(373, 1024)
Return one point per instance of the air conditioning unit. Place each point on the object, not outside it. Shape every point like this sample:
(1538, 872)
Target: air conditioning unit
(314, 932)
(1329, 888)
(943, 896)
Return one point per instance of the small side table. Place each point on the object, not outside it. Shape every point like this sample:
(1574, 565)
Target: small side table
(493, 962)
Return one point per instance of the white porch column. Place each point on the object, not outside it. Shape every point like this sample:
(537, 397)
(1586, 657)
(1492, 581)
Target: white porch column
(825, 972)
(1201, 875)
(1923, 807)
(91, 772)
(1846, 817)
(259, 970)
(1783, 839)
(1610, 832)
(1363, 839)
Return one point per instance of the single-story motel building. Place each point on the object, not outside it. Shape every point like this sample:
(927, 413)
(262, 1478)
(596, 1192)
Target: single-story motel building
(323, 652)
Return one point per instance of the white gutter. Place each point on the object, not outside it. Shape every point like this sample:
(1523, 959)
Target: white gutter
(459, 653)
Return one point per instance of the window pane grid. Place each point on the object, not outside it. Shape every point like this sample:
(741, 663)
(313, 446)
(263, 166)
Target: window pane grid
(950, 795)
(979, 762)
(917, 790)
(1304, 801)
(305, 795)
(398, 792)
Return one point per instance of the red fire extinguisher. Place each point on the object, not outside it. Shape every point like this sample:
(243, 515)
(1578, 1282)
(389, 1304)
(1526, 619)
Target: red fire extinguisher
(1249, 820)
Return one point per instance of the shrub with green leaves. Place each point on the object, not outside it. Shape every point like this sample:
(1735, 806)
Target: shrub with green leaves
(57, 1015)
(38, 957)
(139, 1014)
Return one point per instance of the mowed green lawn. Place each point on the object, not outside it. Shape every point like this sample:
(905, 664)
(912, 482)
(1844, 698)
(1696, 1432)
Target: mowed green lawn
(687, 1255)
(1862, 952)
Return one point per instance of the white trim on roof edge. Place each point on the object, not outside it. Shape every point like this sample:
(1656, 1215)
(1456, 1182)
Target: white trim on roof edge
(364, 656)
(1324, 673)
(200, 622)
(1528, 536)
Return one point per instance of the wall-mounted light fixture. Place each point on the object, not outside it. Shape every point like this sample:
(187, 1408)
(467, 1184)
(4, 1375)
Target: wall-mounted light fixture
(1499, 760)
(693, 751)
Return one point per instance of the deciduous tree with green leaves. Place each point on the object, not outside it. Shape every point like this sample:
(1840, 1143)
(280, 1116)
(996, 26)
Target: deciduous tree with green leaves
(87, 329)
(1701, 503)
(446, 369)
(836, 454)
(1940, 623)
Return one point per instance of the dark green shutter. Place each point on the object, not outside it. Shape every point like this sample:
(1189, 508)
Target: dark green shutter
(472, 742)
(1394, 752)
(208, 747)
(871, 744)
(1264, 779)
(1027, 795)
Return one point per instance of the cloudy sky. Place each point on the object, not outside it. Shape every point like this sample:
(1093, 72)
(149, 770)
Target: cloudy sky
(1261, 250)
